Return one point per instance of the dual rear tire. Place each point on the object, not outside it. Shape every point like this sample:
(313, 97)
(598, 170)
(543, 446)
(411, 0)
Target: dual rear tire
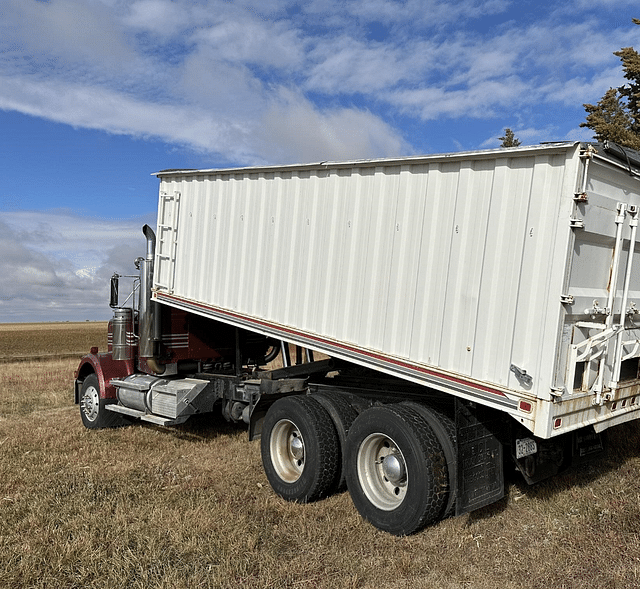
(397, 472)
(300, 449)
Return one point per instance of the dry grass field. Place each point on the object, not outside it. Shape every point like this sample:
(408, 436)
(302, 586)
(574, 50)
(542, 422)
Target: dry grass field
(26, 341)
(189, 507)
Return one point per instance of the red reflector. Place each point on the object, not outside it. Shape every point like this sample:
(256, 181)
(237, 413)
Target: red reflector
(557, 423)
(94, 350)
(525, 406)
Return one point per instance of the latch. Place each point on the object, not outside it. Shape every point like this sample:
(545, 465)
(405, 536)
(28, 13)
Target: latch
(597, 310)
(523, 378)
(601, 398)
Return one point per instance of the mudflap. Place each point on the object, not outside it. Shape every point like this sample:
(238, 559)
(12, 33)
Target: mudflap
(480, 457)
(587, 445)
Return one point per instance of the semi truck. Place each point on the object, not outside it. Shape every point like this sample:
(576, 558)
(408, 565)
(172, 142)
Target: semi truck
(403, 328)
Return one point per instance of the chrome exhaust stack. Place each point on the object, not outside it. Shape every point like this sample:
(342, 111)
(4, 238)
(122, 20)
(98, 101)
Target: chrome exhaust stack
(149, 311)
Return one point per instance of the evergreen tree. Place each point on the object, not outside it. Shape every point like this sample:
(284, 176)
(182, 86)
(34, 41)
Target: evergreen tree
(617, 116)
(509, 139)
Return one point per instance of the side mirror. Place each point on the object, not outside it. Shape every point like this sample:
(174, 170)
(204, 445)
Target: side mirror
(113, 301)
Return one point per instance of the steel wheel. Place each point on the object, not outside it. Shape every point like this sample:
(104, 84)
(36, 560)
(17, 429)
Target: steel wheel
(90, 402)
(382, 471)
(92, 407)
(300, 449)
(287, 450)
(396, 469)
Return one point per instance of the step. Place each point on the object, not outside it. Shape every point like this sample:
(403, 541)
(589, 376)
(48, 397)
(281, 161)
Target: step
(155, 419)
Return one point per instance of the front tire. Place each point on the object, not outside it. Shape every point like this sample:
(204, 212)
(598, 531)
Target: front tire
(300, 449)
(396, 470)
(92, 407)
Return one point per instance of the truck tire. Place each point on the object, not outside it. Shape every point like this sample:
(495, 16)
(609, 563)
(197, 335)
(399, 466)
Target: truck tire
(300, 449)
(343, 415)
(273, 351)
(445, 429)
(396, 469)
(92, 407)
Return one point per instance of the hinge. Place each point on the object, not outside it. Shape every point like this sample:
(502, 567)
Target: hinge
(557, 393)
(575, 223)
(567, 299)
(581, 197)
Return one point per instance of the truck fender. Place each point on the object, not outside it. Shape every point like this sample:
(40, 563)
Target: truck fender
(105, 368)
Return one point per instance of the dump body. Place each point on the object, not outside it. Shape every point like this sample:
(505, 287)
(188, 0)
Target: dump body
(496, 276)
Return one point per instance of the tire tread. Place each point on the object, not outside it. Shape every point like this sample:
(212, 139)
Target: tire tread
(401, 421)
(321, 440)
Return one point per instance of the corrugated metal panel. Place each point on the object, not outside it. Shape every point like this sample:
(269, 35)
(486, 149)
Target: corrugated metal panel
(446, 270)
(441, 262)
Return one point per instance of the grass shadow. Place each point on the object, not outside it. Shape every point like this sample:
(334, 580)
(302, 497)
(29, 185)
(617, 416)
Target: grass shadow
(199, 428)
(622, 446)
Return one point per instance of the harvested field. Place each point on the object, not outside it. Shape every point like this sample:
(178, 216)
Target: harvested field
(27, 341)
(189, 507)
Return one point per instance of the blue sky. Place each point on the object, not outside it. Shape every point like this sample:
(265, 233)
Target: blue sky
(96, 95)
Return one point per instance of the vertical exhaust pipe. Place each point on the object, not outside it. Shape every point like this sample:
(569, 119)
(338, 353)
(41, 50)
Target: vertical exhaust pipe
(149, 320)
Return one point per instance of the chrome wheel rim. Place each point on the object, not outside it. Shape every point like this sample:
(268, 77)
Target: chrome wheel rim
(90, 403)
(287, 451)
(382, 471)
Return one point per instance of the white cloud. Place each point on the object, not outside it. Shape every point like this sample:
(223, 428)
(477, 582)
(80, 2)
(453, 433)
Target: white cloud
(220, 88)
(299, 132)
(480, 100)
(348, 65)
(277, 81)
(589, 4)
(425, 13)
(162, 17)
(92, 107)
(63, 32)
(580, 134)
(212, 74)
(63, 234)
(249, 40)
(249, 136)
(582, 89)
(56, 265)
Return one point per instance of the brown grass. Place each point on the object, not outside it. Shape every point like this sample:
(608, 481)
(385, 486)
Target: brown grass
(189, 507)
(19, 341)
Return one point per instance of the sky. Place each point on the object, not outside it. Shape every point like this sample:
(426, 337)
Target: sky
(96, 95)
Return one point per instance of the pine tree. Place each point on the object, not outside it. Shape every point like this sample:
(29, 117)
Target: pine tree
(617, 116)
(509, 139)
